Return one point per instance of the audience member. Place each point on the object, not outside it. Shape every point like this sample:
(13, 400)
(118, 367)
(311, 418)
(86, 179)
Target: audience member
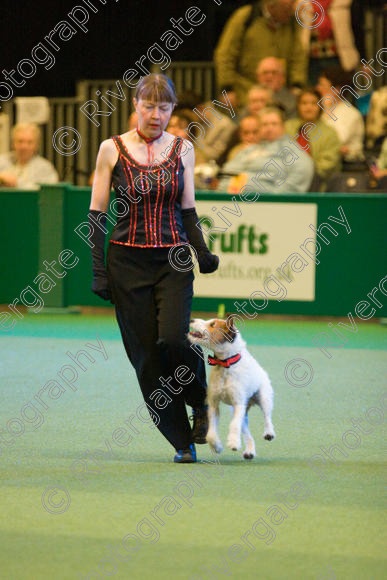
(220, 126)
(315, 136)
(23, 167)
(179, 122)
(248, 134)
(376, 123)
(265, 161)
(258, 97)
(251, 33)
(349, 123)
(189, 99)
(271, 74)
(332, 42)
(379, 170)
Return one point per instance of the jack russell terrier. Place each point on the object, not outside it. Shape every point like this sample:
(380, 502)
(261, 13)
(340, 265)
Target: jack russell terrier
(236, 379)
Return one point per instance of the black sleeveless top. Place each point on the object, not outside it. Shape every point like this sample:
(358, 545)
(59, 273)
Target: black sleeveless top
(147, 199)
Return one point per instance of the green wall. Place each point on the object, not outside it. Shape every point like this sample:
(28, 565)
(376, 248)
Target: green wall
(38, 225)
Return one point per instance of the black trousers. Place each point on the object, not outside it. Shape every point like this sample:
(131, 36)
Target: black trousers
(153, 309)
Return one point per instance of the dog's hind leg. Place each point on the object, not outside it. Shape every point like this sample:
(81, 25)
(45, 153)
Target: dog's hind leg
(234, 434)
(212, 437)
(249, 451)
(265, 401)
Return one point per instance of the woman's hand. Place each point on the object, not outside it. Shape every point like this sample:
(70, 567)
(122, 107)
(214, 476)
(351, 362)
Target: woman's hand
(208, 262)
(100, 287)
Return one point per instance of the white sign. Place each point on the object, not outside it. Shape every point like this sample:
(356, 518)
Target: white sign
(33, 110)
(263, 240)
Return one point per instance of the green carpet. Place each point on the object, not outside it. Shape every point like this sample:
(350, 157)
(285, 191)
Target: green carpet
(333, 529)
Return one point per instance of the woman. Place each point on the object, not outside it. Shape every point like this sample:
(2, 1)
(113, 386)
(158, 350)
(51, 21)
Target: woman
(153, 184)
(323, 143)
(347, 121)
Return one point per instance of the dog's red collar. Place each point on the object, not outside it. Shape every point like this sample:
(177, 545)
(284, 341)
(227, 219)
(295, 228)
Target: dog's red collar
(231, 360)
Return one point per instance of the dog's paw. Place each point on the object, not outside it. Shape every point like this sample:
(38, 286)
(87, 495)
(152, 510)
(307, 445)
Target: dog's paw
(247, 455)
(215, 444)
(269, 435)
(233, 443)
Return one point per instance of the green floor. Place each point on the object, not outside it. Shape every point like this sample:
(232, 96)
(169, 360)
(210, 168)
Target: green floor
(335, 531)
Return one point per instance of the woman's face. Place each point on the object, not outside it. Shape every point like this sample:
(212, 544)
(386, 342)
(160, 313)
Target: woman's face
(153, 118)
(323, 86)
(308, 108)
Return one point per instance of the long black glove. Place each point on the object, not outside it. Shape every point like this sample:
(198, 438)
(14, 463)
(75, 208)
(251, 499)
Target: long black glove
(100, 283)
(207, 262)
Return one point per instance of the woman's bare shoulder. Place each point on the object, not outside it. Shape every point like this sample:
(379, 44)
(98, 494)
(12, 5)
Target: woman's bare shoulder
(187, 153)
(107, 153)
(128, 136)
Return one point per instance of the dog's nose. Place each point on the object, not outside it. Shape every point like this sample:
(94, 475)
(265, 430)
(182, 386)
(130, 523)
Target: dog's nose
(192, 319)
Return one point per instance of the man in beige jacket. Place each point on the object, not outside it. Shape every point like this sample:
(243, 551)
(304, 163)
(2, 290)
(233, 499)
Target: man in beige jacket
(253, 32)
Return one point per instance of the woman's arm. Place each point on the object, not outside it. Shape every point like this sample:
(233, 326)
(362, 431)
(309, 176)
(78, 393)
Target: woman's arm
(188, 196)
(106, 159)
(207, 262)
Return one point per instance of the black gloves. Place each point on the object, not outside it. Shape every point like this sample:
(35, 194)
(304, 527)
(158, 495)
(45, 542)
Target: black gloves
(207, 262)
(100, 283)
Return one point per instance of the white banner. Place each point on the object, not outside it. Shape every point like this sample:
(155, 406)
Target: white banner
(33, 110)
(259, 241)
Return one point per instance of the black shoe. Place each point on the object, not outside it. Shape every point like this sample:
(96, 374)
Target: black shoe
(186, 455)
(200, 425)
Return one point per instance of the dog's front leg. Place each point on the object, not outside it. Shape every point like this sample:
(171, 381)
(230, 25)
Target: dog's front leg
(234, 434)
(212, 434)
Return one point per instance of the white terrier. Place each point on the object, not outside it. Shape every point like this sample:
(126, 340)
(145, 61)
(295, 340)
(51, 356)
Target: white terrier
(236, 379)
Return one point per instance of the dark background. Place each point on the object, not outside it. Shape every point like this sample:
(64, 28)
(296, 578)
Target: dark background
(118, 35)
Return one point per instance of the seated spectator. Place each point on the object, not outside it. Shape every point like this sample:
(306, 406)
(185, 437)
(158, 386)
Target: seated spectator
(349, 124)
(232, 97)
(22, 167)
(379, 170)
(271, 75)
(248, 133)
(258, 97)
(323, 144)
(376, 123)
(189, 99)
(179, 122)
(218, 135)
(264, 161)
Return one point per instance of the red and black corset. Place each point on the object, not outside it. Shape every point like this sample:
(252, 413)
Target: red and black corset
(148, 199)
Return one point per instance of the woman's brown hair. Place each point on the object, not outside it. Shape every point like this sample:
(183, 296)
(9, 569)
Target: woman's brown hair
(156, 88)
(309, 91)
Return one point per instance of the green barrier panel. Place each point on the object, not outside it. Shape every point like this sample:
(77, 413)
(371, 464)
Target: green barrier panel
(19, 239)
(350, 266)
(52, 220)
